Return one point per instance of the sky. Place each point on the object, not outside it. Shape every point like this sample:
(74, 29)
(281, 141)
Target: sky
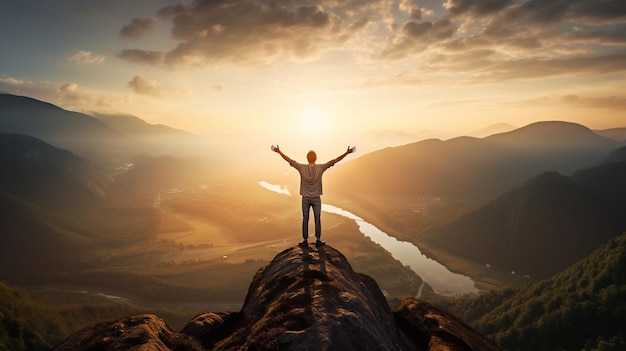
(322, 71)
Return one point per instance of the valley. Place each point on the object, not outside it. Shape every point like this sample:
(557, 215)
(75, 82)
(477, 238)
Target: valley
(185, 255)
(103, 230)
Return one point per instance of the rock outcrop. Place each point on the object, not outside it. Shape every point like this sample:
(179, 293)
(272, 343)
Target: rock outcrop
(305, 299)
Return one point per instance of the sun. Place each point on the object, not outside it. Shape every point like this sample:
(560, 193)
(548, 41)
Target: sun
(313, 121)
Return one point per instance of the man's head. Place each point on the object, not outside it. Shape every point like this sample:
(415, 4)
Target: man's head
(311, 156)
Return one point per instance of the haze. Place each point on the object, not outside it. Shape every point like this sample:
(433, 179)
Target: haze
(338, 73)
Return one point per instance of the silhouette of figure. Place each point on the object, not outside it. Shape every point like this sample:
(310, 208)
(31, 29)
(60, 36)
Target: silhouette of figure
(311, 189)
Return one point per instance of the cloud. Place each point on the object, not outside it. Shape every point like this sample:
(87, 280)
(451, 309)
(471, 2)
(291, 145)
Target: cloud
(68, 88)
(25, 87)
(475, 7)
(533, 68)
(415, 37)
(81, 56)
(593, 101)
(255, 32)
(144, 87)
(141, 56)
(138, 28)
(474, 40)
(67, 95)
(411, 8)
(528, 39)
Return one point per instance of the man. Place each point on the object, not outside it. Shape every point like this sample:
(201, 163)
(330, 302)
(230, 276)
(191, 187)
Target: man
(311, 190)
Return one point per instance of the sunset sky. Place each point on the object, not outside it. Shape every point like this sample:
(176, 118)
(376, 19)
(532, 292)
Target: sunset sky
(289, 70)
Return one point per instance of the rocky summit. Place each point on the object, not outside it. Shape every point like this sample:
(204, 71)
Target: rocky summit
(307, 298)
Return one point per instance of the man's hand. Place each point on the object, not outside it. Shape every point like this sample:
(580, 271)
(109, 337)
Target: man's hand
(275, 148)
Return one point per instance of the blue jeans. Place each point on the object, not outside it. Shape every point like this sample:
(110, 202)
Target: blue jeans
(307, 203)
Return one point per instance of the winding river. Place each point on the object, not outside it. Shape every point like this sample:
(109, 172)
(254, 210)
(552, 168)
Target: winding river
(435, 274)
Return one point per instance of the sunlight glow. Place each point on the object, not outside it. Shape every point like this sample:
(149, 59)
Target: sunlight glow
(313, 121)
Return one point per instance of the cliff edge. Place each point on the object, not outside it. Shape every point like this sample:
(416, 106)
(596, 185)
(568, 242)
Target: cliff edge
(306, 299)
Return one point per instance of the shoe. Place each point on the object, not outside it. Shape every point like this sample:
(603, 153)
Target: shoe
(319, 243)
(304, 243)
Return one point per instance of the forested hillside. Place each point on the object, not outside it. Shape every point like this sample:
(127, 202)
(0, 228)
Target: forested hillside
(544, 225)
(38, 321)
(582, 308)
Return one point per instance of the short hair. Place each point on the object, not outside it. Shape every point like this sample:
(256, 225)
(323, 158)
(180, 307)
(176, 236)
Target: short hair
(311, 156)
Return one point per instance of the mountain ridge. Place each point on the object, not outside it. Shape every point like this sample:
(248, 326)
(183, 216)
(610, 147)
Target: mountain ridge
(472, 168)
(523, 228)
(44, 173)
(130, 124)
(104, 138)
(51, 123)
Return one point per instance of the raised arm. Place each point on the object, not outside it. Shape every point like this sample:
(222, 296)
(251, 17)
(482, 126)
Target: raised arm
(341, 157)
(285, 157)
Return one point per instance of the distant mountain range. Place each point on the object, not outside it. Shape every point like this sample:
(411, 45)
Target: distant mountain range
(472, 168)
(618, 134)
(133, 125)
(99, 137)
(491, 130)
(544, 225)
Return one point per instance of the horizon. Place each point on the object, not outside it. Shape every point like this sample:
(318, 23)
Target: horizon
(248, 150)
(318, 70)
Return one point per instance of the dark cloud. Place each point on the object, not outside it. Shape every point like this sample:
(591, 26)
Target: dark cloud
(417, 30)
(598, 12)
(415, 37)
(252, 32)
(138, 28)
(537, 29)
(475, 7)
(486, 39)
(359, 24)
(611, 36)
(141, 56)
(416, 14)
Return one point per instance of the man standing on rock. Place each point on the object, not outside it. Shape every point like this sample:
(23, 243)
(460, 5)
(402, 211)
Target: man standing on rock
(311, 189)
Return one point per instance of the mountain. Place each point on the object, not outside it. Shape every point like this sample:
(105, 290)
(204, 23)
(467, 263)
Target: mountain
(156, 139)
(616, 156)
(67, 129)
(100, 139)
(544, 225)
(133, 125)
(44, 191)
(472, 168)
(55, 204)
(618, 134)
(42, 174)
(581, 308)
(492, 129)
(305, 299)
